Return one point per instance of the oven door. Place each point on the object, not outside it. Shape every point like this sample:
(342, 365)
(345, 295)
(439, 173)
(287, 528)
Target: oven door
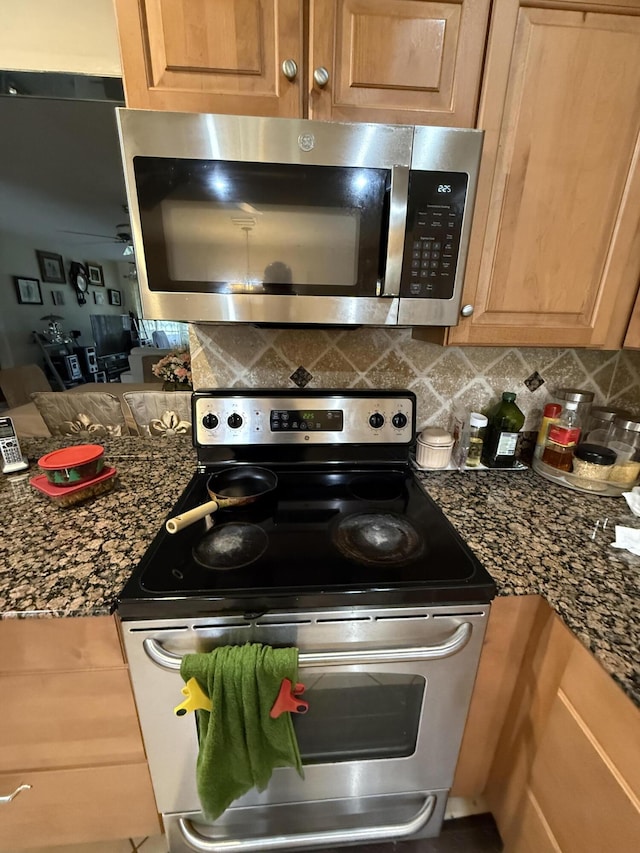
(388, 693)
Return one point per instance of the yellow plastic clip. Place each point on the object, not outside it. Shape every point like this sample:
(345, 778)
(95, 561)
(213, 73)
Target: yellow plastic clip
(196, 699)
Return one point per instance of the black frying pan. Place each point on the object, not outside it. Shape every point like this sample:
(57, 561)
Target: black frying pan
(235, 486)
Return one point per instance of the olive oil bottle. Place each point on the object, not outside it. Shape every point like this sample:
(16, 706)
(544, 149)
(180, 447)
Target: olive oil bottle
(501, 437)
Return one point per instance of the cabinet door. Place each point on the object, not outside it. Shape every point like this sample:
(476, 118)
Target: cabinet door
(217, 56)
(397, 61)
(632, 338)
(555, 253)
(585, 800)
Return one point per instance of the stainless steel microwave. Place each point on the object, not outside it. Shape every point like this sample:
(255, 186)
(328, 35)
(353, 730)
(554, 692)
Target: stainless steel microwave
(285, 221)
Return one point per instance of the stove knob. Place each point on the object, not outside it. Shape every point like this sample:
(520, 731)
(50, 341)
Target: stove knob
(376, 420)
(209, 421)
(399, 420)
(234, 421)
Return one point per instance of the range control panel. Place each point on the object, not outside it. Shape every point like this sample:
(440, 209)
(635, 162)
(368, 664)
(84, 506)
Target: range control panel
(317, 417)
(434, 224)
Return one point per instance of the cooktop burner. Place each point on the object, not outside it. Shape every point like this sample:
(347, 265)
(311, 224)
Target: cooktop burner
(378, 539)
(230, 546)
(346, 523)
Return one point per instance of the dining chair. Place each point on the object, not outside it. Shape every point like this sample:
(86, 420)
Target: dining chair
(93, 414)
(160, 413)
(19, 383)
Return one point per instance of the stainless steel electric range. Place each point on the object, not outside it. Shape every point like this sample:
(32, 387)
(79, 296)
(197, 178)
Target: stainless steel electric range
(323, 539)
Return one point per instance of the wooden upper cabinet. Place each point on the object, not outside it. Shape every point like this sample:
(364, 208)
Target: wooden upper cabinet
(221, 56)
(632, 338)
(397, 61)
(555, 252)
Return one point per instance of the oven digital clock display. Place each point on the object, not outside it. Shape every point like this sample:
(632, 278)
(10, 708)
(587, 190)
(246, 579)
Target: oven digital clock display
(306, 420)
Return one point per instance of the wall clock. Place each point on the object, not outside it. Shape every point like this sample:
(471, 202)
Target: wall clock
(79, 278)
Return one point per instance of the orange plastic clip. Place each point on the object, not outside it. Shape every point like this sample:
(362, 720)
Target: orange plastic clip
(288, 699)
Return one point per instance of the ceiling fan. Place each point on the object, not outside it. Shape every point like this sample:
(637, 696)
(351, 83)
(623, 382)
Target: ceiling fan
(122, 235)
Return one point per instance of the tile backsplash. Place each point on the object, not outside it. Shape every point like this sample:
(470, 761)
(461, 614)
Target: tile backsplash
(247, 356)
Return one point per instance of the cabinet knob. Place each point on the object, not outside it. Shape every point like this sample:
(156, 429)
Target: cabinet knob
(321, 76)
(10, 797)
(466, 310)
(290, 69)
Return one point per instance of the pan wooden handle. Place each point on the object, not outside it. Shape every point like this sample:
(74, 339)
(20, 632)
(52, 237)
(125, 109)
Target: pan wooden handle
(179, 522)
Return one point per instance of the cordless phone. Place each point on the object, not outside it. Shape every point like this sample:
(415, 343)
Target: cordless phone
(12, 458)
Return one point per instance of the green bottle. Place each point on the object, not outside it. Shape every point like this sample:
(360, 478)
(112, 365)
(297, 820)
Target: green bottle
(501, 437)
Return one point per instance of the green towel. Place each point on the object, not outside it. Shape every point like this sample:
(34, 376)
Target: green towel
(239, 742)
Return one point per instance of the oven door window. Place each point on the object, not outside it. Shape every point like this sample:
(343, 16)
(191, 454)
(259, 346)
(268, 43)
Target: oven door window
(227, 227)
(356, 716)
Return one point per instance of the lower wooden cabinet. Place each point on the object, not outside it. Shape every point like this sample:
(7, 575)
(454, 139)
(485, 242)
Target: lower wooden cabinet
(583, 796)
(77, 805)
(70, 732)
(565, 775)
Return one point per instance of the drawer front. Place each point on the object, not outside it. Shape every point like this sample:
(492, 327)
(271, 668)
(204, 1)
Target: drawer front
(77, 806)
(47, 645)
(68, 719)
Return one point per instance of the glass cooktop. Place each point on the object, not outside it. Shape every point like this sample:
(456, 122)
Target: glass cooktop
(321, 538)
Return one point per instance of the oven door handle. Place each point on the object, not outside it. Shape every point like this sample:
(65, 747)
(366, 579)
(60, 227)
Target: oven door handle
(457, 641)
(309, 839)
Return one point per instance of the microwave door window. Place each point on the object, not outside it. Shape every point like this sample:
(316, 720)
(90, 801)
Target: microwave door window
(247, 227)
(278, 245)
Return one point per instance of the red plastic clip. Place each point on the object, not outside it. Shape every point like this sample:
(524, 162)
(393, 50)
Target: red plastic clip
(288, 700)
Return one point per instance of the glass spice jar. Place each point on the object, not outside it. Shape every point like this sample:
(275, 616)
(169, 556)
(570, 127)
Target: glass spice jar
(576, 405)
(477, 425)
(559, 446)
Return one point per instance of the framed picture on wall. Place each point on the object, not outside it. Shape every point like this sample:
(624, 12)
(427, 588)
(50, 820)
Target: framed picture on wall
(58, 297)
(96, 276)
(51, 267)
(28, 290)
(98, 297)
(115, 297)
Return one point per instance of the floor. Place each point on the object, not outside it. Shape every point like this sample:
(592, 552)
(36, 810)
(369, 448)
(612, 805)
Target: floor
(474, 834)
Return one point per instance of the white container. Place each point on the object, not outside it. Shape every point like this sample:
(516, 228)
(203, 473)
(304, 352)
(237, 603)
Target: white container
(433, 448)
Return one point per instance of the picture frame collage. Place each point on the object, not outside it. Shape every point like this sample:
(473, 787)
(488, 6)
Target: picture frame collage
(52, 271)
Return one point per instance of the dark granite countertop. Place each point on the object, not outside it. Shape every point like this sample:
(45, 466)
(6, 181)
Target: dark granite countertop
(73, 561)
(536, 537)
(533, 536)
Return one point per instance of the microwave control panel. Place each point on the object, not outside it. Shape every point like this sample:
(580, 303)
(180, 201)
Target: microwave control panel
(435, 211)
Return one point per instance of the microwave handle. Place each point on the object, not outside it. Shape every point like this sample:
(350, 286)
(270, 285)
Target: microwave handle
(453, 644)
(397, 227)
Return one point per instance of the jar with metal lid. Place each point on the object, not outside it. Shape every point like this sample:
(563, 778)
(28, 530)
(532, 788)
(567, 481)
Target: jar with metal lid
(624, 438)
(593, 462)
(576, 405)
(433, 448)
(601, 419)
(626, 429)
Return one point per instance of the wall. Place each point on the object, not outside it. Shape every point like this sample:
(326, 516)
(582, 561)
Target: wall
(60, 35)
(228, 356)
(18, 258)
